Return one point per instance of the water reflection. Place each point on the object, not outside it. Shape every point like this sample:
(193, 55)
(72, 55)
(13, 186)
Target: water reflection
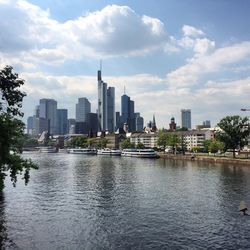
(5, 242)
(92, 202)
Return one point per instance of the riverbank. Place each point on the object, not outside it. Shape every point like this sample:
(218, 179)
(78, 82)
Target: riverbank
(212, 159)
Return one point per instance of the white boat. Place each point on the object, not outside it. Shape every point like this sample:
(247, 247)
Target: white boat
(140, 153)
(48, 149)
(87, 151)
(108, 151)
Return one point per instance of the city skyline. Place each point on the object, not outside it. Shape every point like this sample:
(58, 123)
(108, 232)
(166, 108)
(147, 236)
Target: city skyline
(170, 55)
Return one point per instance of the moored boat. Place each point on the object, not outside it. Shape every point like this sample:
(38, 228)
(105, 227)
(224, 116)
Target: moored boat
(87, 151)
(140, 153)
(48, 149)
(108, 151)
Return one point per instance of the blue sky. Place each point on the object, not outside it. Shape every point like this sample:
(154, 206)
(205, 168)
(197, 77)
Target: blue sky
(169, 54)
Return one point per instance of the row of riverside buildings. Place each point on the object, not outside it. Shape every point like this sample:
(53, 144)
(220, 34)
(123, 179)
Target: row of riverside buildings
(47, 117)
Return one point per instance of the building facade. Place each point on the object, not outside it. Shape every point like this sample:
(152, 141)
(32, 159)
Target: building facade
(186, 118)
(102, 103)
(30, 125)
(111, 109)
(48, 111)
(83, 107)
(62, 121)
(128, 113)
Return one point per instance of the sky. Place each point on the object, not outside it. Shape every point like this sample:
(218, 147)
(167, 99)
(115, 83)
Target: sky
(168, 54)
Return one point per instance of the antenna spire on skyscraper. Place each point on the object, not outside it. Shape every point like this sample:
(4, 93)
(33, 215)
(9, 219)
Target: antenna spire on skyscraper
(124, 90)
(101, 65)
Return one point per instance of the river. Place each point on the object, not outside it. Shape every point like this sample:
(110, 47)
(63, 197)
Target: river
(100, 202)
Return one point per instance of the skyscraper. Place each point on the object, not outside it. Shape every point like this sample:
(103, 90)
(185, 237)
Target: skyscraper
(139, 122)
(30, 125)
(186, 118)
(83, 107)
(62, 120)
(127, 112)
(106, 105)
(47, 110)
(102, 103)
(111, 109)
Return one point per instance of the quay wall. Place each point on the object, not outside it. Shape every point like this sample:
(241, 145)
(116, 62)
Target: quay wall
(212, 159)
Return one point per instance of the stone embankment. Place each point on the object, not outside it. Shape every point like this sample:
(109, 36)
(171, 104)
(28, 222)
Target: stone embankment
(212, 159)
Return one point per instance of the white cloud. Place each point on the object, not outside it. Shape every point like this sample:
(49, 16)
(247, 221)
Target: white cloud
(192, 31)
(203, 46)
(190, 73)
(110, 32)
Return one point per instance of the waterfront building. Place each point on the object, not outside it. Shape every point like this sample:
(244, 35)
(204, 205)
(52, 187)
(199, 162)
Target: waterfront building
(111, 109)
(30, 125)
(192, 138)
(62, 121)
(147, 139)
(83, 107)
(186, 118)
(48, 110)
(196, 138)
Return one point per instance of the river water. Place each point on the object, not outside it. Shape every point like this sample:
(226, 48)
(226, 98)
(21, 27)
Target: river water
(100, 202)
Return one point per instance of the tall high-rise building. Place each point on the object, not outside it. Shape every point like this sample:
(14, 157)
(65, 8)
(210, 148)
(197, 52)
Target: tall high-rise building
(139, 122)
(186, 118)
(48, 110)
(71, 126)
(62, 121)
(127, 112)
(106, 105)
(102, 103)
(83, 107)
(111, 109)
(207, 124)
(30, 125)
(92, 122)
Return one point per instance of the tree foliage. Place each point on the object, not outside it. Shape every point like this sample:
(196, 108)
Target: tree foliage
(235, 131)
(78, 141)
(140, 145)
(11, 128)
(127, 144)
(102, 143)
(162, 139)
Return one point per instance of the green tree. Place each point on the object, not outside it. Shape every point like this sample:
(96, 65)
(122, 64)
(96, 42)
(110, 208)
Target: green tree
(162, 139)
(173, 141)
(140, 145)
(216, 146)
(127, 144)
(196, 149)
(235, 131)
(102, 143)
(29, 141)
(11, 128)
(78, 141)
(206, 145)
